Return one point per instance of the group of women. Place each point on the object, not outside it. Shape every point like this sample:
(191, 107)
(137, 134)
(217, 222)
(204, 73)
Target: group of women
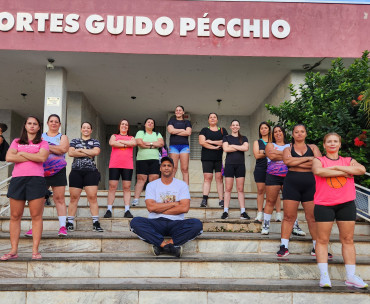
(324, 185)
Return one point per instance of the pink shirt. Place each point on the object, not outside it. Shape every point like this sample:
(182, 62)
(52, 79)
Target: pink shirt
(332, 191)
(122, 158)
(28, 168)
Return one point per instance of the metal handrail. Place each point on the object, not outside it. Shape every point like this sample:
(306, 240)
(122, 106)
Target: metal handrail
(363, 201)
(4, 207)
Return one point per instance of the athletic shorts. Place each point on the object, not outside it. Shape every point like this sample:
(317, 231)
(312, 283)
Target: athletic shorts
(299, 186)
(179, 149)
(234, 170)
(274, 180)
(210, 165)
(341, 212)
(116, 173)
(259, 175)
(57, 180)
(27, 188)
(147, 167)
(81, 178)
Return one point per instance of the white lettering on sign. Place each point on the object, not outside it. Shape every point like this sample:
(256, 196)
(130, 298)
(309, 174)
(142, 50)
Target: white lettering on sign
(95, 24)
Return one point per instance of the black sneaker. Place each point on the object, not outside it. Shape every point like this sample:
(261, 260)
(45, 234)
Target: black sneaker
(70, 226)
(221, 203)
(244, 216)
(157, 250)
(313, 253)
(96, 227)
(224, 215)
(203, 203)
(128, 214)
(171, 249)
(108, 214)
(283, 252)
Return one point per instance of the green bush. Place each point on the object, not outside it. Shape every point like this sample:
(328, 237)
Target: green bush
(333, 102)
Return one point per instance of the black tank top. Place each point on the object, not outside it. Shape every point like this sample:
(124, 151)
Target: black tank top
(261, 162)
(309, 152)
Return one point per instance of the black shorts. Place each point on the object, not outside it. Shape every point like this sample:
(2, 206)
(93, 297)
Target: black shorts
(147, 167)
(299, 186)
(81, 178)
(234, 170)
(274, 180)
(259, 175)
(116, 173)
(57, 180)
(341, 212)
(27, 188)
(210, 165)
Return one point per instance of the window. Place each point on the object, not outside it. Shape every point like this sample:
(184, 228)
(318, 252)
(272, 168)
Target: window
(195, 147)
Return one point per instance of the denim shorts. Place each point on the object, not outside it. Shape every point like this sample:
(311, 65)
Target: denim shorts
(179, 149)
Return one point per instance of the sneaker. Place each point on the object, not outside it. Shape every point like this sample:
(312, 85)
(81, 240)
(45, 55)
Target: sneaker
(244, 216)
(47, 202)
(171, 249)
(259, 217)
(221, 203)
(135, 202)
(224, 215)
(62, 231)
(96, 227)
(283, 252)
(265, 229)
(203, 203)
(157, 250)
(108, 214)
(313, 253)
(356, 281)
(278, 217)
(70, 226)
(128, 214)
(28, 233)
(325, 281)
(298, 231)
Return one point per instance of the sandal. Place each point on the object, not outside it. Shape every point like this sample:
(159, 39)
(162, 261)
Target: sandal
(36, 256)
(9, 256)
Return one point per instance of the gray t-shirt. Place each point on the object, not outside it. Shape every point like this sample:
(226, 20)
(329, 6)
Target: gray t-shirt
(161, 193)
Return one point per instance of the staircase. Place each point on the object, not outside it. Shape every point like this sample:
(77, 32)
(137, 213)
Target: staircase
(230, 263)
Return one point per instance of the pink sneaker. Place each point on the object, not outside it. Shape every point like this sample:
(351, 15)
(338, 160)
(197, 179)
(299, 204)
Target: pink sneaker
(62, 231)
(28, 233)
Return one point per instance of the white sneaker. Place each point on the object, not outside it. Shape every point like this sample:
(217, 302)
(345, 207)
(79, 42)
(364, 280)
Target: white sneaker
(135, 202)
(356, 281)
(265, 229)
(298, 231)
(259, 217)
(278, 217)
(325, 281)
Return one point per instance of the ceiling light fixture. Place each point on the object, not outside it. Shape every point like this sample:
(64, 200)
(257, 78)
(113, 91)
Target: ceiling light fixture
(50, 65)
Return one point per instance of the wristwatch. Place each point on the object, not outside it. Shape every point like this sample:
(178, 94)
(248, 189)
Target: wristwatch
(151, 145)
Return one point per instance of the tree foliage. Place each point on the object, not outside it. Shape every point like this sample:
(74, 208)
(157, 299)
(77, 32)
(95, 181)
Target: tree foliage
(337, 101)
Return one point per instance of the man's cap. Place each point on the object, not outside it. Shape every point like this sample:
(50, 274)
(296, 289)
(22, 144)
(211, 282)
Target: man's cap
(167, 158)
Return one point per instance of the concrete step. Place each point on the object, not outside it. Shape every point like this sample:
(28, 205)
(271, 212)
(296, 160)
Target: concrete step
(176, 290)
(220, 243)
(210, 266)
(210, 224)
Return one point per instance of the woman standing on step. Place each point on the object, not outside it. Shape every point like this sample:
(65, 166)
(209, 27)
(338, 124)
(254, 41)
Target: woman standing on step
(334, 200)
(121, 164)
(55, 170)
(299, 186)
(180, 130)
(235, 145)
(27, 184)
(211, 141)
(84, 174)
(275, 174)
(147, 159)
(259, 173)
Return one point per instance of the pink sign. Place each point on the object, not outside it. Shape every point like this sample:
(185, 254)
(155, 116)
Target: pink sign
(186, 27)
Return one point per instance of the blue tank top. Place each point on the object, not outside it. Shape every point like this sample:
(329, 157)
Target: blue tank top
(277, 167)
(55, 162)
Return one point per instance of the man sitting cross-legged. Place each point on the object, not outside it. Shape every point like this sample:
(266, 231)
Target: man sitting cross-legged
(167, 200)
